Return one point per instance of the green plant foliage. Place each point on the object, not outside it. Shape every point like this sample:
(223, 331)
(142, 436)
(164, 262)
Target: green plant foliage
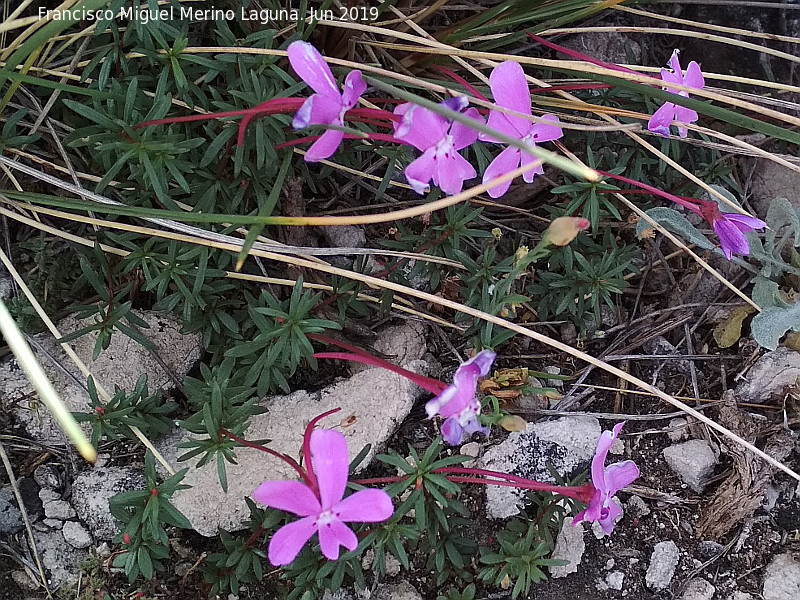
(114, 419)
(145, 514)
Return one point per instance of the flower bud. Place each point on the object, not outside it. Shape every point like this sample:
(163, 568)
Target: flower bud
(565, 229)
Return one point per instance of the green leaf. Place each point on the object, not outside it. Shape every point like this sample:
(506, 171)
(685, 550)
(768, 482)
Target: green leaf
(675, 222)
(770, 325)
(144, 561)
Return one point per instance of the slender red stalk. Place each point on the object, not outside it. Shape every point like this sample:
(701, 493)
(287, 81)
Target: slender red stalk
(580, 493)
(434, 386)
(375, 113)
(580, 56)
(275, 106)
(312, 477)
(285, 458)
(693, 204)
(458, 79)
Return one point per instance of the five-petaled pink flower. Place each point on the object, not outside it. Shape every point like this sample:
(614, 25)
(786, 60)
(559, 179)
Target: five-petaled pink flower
(458, 403)
(324, 512)
(510, 90)
(730, 227)
(662, 119)
(607, 481)
(328, 106)
(439, 140)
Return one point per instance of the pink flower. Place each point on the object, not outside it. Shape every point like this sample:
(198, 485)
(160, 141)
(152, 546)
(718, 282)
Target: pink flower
(458, 403)
(730, 228)
(439, 140)
(607, 481)
(662, 119)
(328, 106)
(324, 511)
(510, 90)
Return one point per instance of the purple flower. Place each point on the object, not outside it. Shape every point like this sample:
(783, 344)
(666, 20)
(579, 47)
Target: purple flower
(439, 140)
(510, 90)
(458, 404)
(662, 119)
(607, 481)
(328, 105)
(324, 512)
(730, 228)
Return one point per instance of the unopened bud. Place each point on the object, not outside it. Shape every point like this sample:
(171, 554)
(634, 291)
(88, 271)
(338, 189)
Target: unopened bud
(497, 233)
(565, 229)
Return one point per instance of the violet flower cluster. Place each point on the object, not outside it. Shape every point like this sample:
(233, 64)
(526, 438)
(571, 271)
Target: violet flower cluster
(440, 140)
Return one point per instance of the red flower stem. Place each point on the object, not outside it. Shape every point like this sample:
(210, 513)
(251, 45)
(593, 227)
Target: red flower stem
(271, 107)
(458, 79)
(312, 477)
(576, 493)
(375, 113)
(583, 57)
(434, 386)
(693, 204)
(285, 458)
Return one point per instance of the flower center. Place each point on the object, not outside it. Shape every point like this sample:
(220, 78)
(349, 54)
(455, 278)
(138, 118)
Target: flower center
(531, 138)
(326, 518)
(444, 147)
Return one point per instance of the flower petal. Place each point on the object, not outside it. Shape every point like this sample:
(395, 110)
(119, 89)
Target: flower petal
(620, 475)
(354, 86)
(451, 173)
(694, 76)
(287, 542)
(505, 162)
(464, 135)
(543, 132)
(510, 90)
(499, 122)
(325, 146)
(610, 516)
(670, 77)
(330, 461)
(308, 63)
(365, 506)
(592, 512)
(473, 425)
(435, 405)
(743, 222)
(317, 110)
(662, 119)
(731, 239)
(291, 496)
(452, 432)
(420, 172)
(675, 63)
(525, 160)
(335, 534)
(420, 127)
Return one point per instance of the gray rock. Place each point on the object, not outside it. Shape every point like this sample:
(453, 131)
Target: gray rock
(739, 595)
(400, 591)
(60, 559)
(770, 181)
(58, 509)
(91, 492)
(344, 236)
(677, 430)
(692, 461)
(698, 589)
(606, 46)
(399, 344)
(10, 516)
(373, 404)
(567, 443)
(709, 548)
(46, 477)
(615, 579)
(76, 535)
(771, 375)
(472, 449)
(53, 523)
(782, 578)
(569, 547)
(636, 507)
(663, 562)
(120, 364)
